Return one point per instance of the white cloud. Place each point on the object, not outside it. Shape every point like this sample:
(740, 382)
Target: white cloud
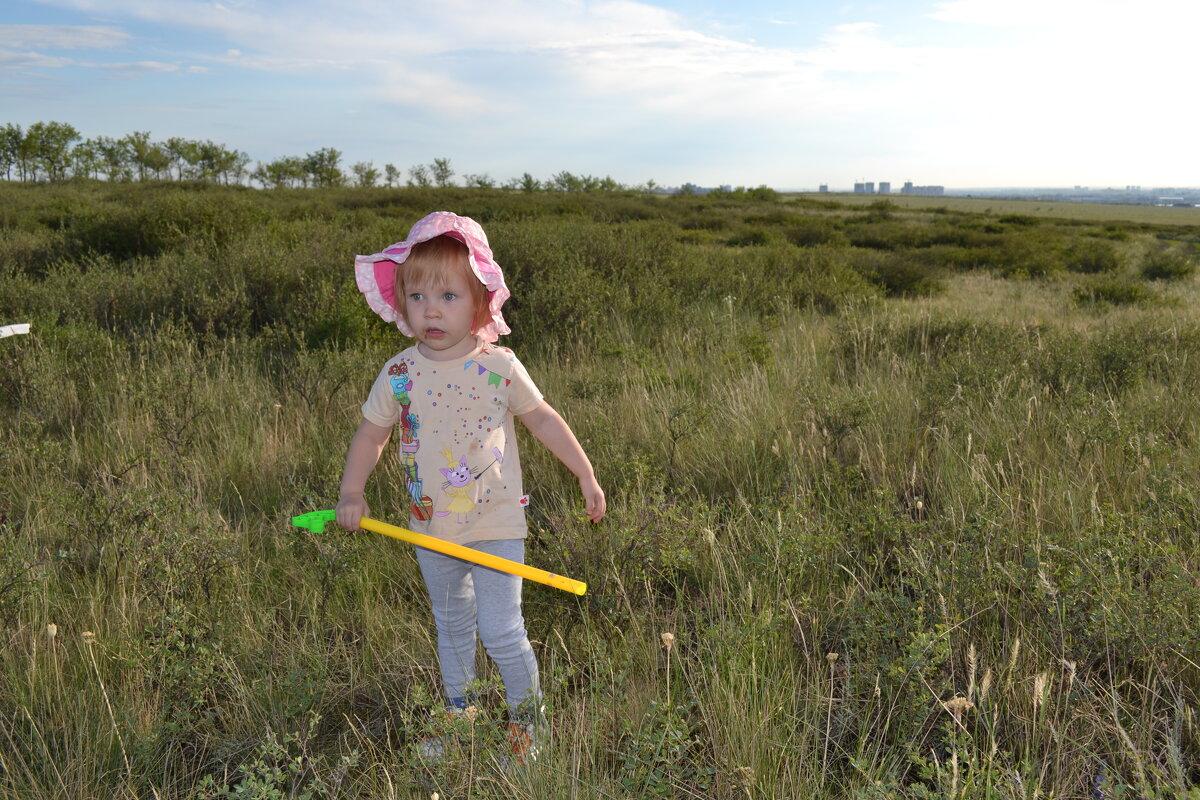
(63, 37)
(11, 59)
(138, 67)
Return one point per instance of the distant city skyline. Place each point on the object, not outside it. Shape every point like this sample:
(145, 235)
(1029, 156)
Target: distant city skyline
(967, 93)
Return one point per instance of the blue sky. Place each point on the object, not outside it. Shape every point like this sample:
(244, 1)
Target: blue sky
(967, 93)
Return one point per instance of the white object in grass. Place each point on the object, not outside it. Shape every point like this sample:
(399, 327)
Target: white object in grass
(13, 330)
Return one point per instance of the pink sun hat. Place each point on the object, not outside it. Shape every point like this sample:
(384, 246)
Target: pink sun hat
(376, 274)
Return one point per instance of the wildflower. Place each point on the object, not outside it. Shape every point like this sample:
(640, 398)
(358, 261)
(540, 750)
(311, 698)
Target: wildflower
(957, 706)
(668, 640)
(51, 631)
(89, 638)
(831, 658)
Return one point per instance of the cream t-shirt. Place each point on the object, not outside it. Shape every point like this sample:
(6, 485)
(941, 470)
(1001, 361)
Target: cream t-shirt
(457, 445)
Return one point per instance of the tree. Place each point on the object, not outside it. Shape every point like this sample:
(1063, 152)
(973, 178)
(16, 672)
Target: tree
(442, 173)
(391, 175)
(565, 182)
(236, 162)
(138, 147)
(529, 183)
(113, 159)
(27, 151)
(86, 159)
(177, 149)
(323, 167)
(419, 176)
(483, 181)
(10, 146)
(365, 174)
(52, 151)
(281, 173)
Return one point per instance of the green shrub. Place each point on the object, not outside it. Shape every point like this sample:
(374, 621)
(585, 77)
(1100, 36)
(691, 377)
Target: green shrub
(1168, 265)
(1112, 291)
(1022, 220)
(1091, 257)
(810, 231)
(752, 237)
(898, 274)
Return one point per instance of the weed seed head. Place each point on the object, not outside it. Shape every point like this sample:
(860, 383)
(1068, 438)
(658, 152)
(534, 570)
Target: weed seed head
(1039, 690)
(831, 657)
(985, 685)
(89, 638)
(668, 640)
(958, 706)
(51, 631)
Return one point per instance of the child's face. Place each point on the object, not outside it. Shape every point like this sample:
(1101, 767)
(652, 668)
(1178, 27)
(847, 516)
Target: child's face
(442, 316)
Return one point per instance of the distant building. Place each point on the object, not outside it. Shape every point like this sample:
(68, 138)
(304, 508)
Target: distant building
(823, 188)
(927, 191)
(860, 188)
(885, 187)
(870, 187)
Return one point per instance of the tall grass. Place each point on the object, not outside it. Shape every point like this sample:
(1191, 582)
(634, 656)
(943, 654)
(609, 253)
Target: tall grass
(926, 544)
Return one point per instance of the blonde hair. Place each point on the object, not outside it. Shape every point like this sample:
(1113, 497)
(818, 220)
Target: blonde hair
(429, 262)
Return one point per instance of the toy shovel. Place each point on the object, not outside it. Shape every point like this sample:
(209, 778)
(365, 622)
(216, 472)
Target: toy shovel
(315, 521)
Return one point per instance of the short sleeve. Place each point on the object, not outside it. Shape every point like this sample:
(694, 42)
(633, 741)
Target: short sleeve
(523, 394)
(381, 407)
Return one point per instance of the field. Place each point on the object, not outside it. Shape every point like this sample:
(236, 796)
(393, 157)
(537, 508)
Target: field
(1085, 212)
(914, 489)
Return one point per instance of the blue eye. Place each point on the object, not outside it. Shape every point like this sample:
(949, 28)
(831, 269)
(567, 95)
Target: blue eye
(415, 296)
(449, 296)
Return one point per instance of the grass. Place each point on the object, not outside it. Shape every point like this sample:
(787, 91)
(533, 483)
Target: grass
(926, 544)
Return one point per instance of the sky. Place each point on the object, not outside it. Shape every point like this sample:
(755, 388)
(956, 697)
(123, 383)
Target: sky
(967, 93)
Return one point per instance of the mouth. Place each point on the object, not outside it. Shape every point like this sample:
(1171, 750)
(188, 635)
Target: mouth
(434, 333)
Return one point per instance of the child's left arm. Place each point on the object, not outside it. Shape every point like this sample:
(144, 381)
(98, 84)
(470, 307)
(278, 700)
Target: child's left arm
(552, 430)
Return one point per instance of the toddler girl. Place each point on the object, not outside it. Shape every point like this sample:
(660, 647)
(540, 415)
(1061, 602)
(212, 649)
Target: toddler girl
(454, 395)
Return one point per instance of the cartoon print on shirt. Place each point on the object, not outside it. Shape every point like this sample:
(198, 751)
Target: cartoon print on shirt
(458, 477)
(422, 505)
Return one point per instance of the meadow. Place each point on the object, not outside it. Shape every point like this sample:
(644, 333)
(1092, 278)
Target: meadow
(912, 489)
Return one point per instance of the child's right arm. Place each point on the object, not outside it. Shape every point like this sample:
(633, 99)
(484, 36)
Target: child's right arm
(365, 449)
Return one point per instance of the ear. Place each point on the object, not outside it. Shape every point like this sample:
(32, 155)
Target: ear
(445, 472)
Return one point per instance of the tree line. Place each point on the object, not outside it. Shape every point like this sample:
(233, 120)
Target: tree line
(56, 151)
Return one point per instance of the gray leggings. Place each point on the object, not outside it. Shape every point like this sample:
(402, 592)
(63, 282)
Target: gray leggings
(467, 598)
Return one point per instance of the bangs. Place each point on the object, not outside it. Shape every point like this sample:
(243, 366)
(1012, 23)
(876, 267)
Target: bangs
(429, 263)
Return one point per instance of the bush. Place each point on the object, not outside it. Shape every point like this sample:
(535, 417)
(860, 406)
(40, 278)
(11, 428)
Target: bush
(810, 231)
(753, 237)
(1091, 257)
(898, 274)
(1168, 265)
(1112, 291)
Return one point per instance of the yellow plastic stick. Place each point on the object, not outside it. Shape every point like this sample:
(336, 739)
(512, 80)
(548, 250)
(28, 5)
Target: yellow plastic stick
(318, 518)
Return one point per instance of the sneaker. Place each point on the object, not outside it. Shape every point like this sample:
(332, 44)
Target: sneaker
(432, 748)
(522, 742)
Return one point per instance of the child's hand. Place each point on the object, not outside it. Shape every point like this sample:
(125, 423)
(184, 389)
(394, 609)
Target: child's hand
(593, 498)
(351, 509)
